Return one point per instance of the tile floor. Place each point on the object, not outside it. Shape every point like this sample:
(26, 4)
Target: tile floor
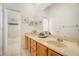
(13, 48)
(24, 53)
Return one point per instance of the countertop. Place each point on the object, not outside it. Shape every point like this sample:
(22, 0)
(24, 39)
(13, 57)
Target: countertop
(66, 48)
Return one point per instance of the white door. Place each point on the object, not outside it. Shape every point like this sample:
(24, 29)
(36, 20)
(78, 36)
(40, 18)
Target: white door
(13, 32)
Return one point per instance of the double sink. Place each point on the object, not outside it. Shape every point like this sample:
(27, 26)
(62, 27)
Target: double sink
(56, 41)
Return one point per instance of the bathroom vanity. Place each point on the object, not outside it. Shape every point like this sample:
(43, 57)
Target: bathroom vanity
(49, 46)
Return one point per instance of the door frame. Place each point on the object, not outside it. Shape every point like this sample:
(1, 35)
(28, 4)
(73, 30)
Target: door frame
(6, 29)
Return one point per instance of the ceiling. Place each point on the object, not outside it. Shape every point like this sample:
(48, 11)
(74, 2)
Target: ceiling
(37, 6)
(29, 9)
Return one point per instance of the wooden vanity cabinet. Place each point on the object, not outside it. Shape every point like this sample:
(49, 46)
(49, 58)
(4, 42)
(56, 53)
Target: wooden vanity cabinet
(26, 42)
(41, 50)
(29, 44)
(53, 53)
(37, 49)
(33, 48)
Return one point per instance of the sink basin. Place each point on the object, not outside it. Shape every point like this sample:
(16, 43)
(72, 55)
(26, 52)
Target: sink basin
(58, 44)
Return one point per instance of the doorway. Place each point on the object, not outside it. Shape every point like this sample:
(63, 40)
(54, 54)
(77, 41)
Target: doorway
(13, 32)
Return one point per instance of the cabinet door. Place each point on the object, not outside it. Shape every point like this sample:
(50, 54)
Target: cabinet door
(33, 51)
(53, 53)
(33, 48)
(41, 50)
(26, 42)
(29, 44)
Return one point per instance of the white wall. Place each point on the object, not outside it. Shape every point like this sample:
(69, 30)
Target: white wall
(1, 22)
(64, 18)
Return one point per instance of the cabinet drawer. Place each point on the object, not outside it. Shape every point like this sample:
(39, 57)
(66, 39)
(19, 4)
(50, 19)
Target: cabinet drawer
(33, 48)
(33, 43)
(33, 52)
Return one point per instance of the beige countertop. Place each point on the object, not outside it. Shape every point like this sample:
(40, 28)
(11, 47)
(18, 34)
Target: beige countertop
(65, 48)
